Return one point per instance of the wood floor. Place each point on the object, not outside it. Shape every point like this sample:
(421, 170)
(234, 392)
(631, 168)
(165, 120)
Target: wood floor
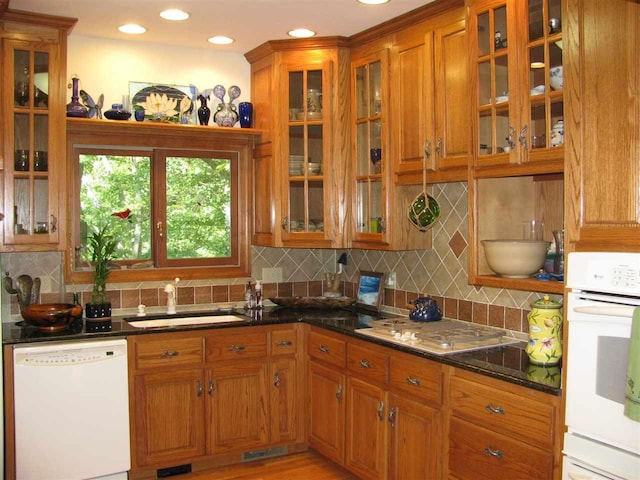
(300, 466)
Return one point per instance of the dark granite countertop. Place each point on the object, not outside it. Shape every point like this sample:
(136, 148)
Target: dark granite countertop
(508, 363)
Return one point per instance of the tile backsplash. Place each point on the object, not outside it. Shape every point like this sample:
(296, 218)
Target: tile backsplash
(440, 272)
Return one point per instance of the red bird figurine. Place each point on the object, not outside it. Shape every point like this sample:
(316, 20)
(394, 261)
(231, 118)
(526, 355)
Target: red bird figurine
(123, 215)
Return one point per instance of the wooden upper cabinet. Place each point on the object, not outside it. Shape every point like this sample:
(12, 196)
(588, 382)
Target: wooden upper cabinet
(429, 109)
(33, 66)
(517, 83)
(603, 125)
(300, 182)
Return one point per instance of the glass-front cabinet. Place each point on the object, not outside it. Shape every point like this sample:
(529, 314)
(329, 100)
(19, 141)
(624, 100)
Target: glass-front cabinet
(517, 71)
(303, 214)
(33, 135)
(370, 153)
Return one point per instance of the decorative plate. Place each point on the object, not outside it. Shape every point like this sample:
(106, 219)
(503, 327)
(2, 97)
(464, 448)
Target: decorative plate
(313, 302)
(175, 101)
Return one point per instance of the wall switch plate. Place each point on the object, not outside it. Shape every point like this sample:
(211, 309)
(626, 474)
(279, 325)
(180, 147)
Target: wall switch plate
(391, 279)
(272, 275)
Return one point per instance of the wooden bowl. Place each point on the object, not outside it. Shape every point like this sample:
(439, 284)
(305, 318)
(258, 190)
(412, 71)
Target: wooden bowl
(50, 317)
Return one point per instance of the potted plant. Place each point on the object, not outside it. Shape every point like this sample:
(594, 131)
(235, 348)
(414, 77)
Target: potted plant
(101, 247)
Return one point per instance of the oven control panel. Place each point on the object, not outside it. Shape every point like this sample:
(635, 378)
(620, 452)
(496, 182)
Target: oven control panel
(607, 272)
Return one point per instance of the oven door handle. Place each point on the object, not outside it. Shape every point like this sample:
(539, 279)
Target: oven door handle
(609, 310)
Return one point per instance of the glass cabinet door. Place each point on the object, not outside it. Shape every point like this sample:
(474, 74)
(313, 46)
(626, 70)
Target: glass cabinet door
(306, 165)
(495, 86)
(27, 196)
(545, 75)
(370, 156)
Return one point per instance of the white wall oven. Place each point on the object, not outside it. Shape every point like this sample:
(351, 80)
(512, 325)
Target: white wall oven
(600, 442)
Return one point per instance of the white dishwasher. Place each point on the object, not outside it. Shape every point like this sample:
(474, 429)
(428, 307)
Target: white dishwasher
(72, 410)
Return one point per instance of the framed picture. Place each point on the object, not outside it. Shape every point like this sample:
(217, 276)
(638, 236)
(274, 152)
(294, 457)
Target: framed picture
(178, 102)
(369, 295)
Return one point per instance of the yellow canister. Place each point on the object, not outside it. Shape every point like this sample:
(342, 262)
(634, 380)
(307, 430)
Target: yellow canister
(545, 332)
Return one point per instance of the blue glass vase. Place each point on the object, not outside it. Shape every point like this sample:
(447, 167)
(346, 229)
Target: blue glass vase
(245, 110)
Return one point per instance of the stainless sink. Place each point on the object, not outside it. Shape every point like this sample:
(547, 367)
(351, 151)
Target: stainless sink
(182, 321)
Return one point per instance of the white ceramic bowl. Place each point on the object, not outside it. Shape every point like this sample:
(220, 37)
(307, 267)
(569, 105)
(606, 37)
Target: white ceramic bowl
(556, 79)
(515, 258)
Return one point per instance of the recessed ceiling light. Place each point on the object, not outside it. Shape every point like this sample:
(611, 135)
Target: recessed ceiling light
(132, 29)
(220, 40)
(373, 2)
(174, 14)
(301, 33)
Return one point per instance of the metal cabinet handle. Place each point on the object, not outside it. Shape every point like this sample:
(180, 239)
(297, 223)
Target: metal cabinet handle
(413, 381)
(160, 231)
(237, 348)
(382, 224)
(512, 133)
(439, 147)
(323, 349)
(365, 363)
(54, 224)
(284, 343)
(492, 409)
(339, 392)
(493, 453)
(211, 387)
(392, 416)
(169, 354)
(522, 138)
(427, 148)
(276, 380)
(381, 410)
(285, 224)
(200, 388)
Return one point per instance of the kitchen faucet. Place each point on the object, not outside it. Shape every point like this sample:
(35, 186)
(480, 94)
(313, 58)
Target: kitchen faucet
(170, 290)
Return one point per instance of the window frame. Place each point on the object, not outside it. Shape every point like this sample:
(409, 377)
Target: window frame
(148, 138)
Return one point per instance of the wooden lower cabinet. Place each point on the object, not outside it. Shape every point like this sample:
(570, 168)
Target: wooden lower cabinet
(326, 411)
(498, 430)
(169, 416)
(415, 439)
(207, 398)
(238, 405)
(366, 429)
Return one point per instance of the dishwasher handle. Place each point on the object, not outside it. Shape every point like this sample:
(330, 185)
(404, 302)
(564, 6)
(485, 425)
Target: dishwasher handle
(606, 310)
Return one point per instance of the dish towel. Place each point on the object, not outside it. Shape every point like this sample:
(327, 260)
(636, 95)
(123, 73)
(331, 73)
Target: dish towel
(632, 388)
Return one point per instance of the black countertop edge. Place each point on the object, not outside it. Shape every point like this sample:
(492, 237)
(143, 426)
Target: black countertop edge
(508, 363)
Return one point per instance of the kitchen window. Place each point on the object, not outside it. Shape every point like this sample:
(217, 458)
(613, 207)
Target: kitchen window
(175, 211)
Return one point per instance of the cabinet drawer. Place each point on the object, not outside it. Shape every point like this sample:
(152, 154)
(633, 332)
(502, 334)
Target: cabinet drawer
(283, 341)
(236, 345)
(476, 453)
(416, 376)
(327, 349)
(168, 352)
(370, 363)
(530, 420)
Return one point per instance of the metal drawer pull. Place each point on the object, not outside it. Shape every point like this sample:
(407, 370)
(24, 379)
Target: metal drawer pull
(169, 354)
(365, 363)
(381, 410)
(323, 349)
(522, 138)
(413, 381)
(211, 388)
(494, 453)
(276, 380)
(339, 392)
(237, 348)
(284, 343)
(439, 147)
(392, 416)
(200, 388)
(491, 409)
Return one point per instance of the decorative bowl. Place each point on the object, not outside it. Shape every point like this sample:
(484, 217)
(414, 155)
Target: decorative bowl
(50, 317)
(556, 79)
(515, 258)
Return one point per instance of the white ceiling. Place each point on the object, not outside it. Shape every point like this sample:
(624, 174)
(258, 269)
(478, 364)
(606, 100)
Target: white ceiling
(249, 22)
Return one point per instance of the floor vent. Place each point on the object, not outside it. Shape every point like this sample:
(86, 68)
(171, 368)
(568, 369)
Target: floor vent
(175, 470)
(266, 453)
